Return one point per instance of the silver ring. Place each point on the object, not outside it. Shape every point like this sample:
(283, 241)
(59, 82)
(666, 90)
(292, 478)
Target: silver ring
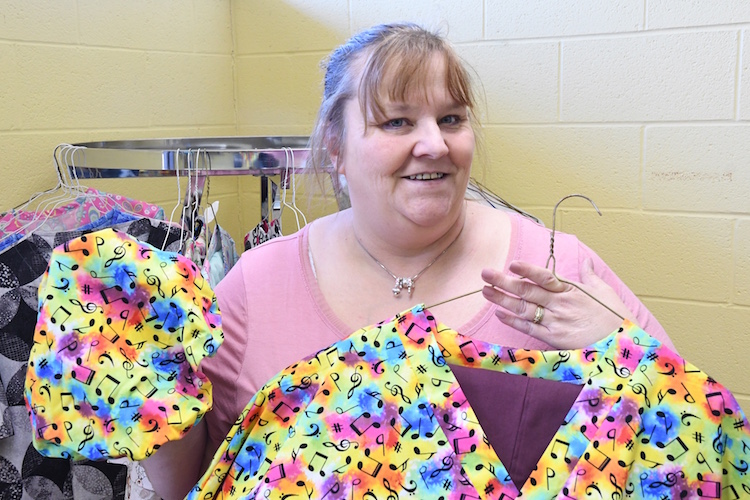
(538, 315)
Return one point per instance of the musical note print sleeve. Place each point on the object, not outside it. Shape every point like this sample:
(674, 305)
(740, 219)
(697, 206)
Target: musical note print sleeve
(121, 330)
(380, 414)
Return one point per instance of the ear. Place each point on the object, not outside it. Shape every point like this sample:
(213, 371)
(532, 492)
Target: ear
(334, 155)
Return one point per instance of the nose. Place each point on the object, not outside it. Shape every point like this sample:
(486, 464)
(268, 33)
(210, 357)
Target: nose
(430, 141)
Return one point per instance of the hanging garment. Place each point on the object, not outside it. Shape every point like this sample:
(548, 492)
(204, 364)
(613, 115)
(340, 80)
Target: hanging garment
(194, 247)
(121, 330)
(111, 218)
(220, 257)
(263, 232)
(10, 299)
(381, 414)
(82, 211)
(26, 473)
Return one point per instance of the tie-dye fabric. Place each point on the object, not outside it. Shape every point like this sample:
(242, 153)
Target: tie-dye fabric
(380, 415)
(121, 330)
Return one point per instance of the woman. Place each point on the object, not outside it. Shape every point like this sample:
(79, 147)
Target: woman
(397, 121)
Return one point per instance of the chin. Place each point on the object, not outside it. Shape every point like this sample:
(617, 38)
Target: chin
(431, 216)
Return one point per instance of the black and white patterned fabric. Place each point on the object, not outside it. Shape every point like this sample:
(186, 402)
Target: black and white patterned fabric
(24, 473)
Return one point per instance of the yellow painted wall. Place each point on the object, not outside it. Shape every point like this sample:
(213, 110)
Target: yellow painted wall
(89, 70)
(644, 105)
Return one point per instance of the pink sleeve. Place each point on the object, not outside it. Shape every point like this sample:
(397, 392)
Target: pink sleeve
(643, 316)
(224, 369)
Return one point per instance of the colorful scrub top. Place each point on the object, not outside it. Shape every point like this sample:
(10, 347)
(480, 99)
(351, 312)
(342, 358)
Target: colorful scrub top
(122, 327)
(380, 415)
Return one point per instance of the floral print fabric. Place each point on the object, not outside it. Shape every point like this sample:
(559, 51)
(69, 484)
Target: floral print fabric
(121, 330)
(87, 208)
(380, 415)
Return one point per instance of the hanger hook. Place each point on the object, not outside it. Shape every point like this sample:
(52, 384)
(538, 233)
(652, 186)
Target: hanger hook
(554, 218)
(552, 251)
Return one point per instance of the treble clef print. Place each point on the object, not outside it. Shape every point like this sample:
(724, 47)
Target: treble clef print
(447, 465)
(617, 495)
(87, 308)
(719, 442)
(620, 371)
(639, 388)
(356, 380)
(154, 280)
(343, 445)
(305, 383)
(437, 359)
(88, 431)
(392, 494)
(119, 253)
(564, 356)
(396, 390)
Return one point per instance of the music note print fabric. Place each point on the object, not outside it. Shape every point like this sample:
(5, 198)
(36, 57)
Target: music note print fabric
(380, 415)
(121, 330)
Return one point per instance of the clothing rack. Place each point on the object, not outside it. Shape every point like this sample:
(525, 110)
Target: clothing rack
(199, 156)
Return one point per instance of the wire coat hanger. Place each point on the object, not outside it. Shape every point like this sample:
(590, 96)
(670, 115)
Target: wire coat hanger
(551, 258)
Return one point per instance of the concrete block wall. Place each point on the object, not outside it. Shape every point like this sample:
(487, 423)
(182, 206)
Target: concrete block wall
(643, 105)
(84, 70)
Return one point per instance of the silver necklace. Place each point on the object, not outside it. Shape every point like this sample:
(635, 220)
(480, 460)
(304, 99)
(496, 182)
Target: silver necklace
(408, 283)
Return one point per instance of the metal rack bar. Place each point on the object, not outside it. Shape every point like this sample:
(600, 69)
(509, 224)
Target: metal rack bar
(201, 156)
(213, 156)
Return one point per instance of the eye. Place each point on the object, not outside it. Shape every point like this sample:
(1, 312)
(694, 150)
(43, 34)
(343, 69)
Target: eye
(395, 123)
(451, 120)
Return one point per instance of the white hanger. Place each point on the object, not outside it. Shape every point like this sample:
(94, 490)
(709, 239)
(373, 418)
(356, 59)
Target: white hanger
(289, 160)
(179, 197)
(64, 191)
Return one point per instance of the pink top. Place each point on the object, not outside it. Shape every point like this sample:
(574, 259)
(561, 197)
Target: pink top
(274, 314)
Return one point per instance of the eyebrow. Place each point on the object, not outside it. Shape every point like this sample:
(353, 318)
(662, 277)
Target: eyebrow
(406, 107)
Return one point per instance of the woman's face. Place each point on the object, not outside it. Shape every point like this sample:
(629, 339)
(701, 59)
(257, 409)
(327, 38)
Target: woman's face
(412, 166)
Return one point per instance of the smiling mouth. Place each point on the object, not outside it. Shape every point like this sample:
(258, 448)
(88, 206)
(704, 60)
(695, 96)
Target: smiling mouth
(426, 177)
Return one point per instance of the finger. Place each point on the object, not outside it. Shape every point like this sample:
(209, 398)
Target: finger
(539, 275)
(588, 275)
(538, 331)
(527, 291)
(516, 305)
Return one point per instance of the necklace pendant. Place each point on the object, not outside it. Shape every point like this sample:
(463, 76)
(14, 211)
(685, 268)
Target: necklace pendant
(398, 287)
(402, 283)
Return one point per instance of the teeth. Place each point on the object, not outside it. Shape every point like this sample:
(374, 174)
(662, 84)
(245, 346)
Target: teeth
(426, 177)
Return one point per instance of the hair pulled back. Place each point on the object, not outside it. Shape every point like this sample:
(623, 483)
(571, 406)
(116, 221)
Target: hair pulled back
(396, 61)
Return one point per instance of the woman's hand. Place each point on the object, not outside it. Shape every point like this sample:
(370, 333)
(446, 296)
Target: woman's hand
(569, 318)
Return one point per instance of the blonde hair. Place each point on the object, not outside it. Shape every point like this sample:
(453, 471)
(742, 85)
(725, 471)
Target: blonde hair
(396, 61)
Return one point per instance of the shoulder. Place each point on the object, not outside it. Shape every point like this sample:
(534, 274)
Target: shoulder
(273, 250)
